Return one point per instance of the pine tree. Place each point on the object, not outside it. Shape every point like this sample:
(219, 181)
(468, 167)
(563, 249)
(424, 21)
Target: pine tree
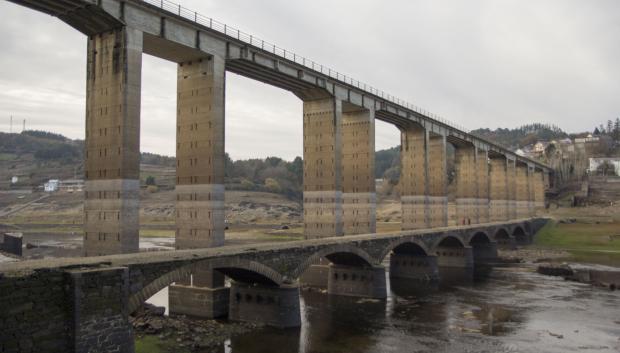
(596, 132)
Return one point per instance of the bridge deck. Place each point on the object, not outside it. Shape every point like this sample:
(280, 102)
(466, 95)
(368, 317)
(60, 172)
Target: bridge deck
(144, 258)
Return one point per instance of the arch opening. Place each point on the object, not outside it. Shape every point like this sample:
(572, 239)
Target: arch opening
(410, 248)
(479, 238)
(450, 241)
(520, 236)
(347, 259)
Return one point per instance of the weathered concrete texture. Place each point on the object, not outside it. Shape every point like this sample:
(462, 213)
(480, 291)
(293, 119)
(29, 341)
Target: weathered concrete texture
(357, 281)
(484, 253)
(200, 153)
(498, 190)
(316, 275)
(522, 191)
(272, 306)
(455, 257)
(99, 300)
(198, 301)
(466, 185)
(358, 172)
(322, 168)
(413, 178)
(531, 188)
(414, 267)
(112, 157)
(511, 182)
(437, 188)
(539, 191)
(483, 180)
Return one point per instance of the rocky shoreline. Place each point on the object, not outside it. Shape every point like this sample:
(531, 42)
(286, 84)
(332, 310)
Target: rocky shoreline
(596, 275)
(180, 333)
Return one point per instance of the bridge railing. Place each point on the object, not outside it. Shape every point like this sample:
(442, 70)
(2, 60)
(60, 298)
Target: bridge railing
(223, 28)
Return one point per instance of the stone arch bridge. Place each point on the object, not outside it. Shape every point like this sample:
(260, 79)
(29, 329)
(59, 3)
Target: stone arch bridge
(82, 304)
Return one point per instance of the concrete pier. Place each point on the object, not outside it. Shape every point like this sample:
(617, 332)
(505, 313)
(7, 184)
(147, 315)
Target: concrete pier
(498, 190)
(358, 171)
(466, 185)
(437, 191)
(200, 182)
(356, 281)
(522, 191)
(452, 257)
(483, 180)
(484, 253)
(539, 191)
(414, 267)
(413, 178)
(511, 183)
(322, 168)
(271, 306)
(112, 156)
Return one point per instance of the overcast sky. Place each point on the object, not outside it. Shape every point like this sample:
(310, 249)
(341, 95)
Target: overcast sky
(479, 63)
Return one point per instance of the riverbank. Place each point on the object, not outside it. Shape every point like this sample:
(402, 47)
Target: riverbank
(158, 333)
(584, 241)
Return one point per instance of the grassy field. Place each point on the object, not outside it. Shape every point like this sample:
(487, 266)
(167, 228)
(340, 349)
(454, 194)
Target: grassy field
(587, 242)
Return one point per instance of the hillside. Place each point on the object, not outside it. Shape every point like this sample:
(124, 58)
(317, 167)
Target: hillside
(521, 136)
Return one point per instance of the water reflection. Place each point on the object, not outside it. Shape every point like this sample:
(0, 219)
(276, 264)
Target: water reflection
(511, 310)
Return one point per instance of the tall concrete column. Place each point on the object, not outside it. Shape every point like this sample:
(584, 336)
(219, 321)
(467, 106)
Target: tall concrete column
(200, 154)
(531, 187)
(511, 181)
(358, 172)
(438, 192)
(539, 191)
(522, 191)
(112, 158)
(413, 178)
(466, 185)
(498, 190)
(200, 182)
(322, 168)
(482, 179)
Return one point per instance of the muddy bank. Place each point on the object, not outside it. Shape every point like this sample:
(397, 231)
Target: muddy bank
(180, 333)
(528, 255)
(597, 275)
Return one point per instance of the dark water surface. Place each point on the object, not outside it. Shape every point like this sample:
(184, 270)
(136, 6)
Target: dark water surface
(512, 310)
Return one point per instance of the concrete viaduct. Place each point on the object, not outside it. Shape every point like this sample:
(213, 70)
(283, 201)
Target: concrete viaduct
(496, 189)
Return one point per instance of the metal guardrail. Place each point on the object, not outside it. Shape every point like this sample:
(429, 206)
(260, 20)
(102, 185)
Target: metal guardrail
(223, 28)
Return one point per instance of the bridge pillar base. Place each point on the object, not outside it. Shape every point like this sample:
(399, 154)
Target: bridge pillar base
(414, 267)
(271, 306)
(203, 302)
(356, 281)
(100, 310)
(485, 253)
(455, 263)
(316, 275)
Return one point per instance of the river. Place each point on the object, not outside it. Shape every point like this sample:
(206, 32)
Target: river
(511, 310)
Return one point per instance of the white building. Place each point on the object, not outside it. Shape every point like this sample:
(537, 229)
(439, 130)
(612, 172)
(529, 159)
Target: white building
(51, 185)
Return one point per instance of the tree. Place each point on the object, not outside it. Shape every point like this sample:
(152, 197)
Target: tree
(596, 131)
(272, 185)
(150, 180)
(617, 129)
(610, 128)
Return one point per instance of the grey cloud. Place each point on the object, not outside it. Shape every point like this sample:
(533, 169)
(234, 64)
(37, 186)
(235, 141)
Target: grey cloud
(479, 63)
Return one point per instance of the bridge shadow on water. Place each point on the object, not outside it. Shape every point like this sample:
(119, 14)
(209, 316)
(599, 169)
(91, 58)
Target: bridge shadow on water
(415, 313)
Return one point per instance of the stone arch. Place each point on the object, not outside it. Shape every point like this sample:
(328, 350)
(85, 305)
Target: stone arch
(479, 237)
(449, 240)
(414, 243)
(248, 271)
(332, 253)
(501, 234)
(226, 266)
(527, 227)
(520, 235)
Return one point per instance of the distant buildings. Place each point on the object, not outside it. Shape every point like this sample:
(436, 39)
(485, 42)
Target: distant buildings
(69, 185)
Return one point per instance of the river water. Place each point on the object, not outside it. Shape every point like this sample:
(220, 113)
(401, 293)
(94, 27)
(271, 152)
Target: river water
(510, 310)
